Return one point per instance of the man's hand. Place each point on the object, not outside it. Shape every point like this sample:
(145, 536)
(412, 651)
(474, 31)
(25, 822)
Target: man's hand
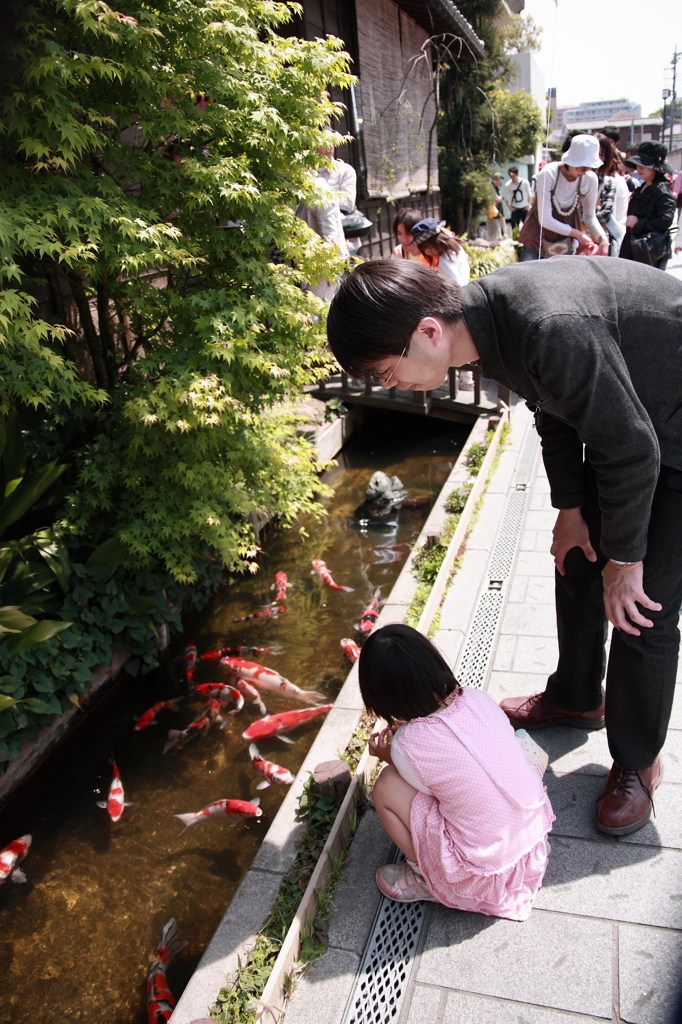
(380, 745)
(631, 221)
(570, 531)
(622, 593)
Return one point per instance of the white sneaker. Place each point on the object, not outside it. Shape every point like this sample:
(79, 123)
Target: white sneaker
(403, 884)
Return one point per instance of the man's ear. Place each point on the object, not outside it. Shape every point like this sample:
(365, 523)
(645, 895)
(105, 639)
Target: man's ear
(431, 330)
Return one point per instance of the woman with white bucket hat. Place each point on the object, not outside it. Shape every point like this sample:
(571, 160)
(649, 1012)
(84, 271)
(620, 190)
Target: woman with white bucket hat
(566, 198)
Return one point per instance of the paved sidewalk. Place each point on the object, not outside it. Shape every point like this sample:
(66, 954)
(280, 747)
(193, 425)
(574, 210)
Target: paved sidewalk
(604, 941)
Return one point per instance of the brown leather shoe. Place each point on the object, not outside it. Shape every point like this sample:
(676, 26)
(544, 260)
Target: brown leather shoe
(537, 712)
(625, 800)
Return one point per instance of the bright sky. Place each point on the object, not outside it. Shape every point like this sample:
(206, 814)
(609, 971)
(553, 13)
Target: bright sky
(606, 49)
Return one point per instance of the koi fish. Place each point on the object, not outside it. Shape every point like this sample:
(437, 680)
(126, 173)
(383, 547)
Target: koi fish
(350, 649)
(115, 803)
(239, 652)
(270, 771)
(280, 586)
(223, 693)
(160, 999)
(274, 725)
(369, 616)
(251, 692)
(11, 857)
(271, 611)
(323, 572)
(267, 679)
(234, 810)
(147, 717)
(201, 724)
(189, 661)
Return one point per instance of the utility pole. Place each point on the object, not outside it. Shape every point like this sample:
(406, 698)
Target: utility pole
(673, 102)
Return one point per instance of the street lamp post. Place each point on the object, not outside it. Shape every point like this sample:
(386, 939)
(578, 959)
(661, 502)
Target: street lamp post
(665, 94)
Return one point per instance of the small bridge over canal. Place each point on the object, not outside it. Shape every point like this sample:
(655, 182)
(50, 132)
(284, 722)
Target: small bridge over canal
(448, 402)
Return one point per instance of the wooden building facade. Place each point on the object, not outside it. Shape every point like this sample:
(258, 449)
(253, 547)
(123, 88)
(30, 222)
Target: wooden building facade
(391, 111)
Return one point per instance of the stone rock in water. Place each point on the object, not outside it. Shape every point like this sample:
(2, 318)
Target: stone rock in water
(384, 490)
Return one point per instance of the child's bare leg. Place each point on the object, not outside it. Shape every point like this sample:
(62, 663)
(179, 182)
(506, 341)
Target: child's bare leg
(393, 797)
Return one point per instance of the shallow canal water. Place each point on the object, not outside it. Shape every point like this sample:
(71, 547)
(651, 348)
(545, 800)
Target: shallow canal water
(76, 941)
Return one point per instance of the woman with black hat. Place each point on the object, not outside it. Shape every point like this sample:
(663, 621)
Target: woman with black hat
(651, 209)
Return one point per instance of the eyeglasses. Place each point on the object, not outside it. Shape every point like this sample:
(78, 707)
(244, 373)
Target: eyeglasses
(383, 378)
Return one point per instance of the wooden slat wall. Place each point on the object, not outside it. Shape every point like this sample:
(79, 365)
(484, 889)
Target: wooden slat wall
(397, 103)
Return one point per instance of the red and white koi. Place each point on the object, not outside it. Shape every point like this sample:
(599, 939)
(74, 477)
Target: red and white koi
(11, 857)
(160, 1000)
(275, 725)
(115, 803)
(224, 693)
(251, 692)
(350, 649)
(267, 679)
(240, 652)
(189, 661)
(148, 717)
(280, 586)
(323, 572)
(270, 771)
(370, 615)
(234, 810)
(200, 725)
(270, 612)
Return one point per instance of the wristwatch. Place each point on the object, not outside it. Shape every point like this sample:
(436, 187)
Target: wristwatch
(621, 565)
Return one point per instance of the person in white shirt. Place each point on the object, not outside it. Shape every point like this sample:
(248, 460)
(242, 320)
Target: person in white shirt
(566, 199)
(517, 195)
(325, 220)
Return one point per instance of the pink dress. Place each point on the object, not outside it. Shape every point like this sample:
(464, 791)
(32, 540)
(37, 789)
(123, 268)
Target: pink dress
(480, 819)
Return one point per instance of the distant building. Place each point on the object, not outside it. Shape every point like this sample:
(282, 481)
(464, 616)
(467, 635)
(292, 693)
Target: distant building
(603, 110)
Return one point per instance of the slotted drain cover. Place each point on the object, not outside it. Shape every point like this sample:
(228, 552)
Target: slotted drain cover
(385, 969)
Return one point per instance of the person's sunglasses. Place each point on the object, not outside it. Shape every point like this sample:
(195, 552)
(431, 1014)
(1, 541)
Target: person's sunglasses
(383, 378)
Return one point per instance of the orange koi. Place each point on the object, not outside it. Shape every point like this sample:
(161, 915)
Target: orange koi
(267, 679)
(275, 725)
(11, 857)
(234, 810)
(189, 661)
(350, 649)
(160, 999)
(280, 586)
(270, 771)
(201, 724)
(239, 652)
(270, 612)
(115, 803)
(147, 717)
(224, 693)
(370, 615)
(323, 572)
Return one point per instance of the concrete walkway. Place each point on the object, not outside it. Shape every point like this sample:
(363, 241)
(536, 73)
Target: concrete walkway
(604, 941)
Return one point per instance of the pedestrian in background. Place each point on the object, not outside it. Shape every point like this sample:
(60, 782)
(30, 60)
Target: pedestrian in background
(517, 196)
(403, 222)
(494, 213)
(651, 209)
(566, 199)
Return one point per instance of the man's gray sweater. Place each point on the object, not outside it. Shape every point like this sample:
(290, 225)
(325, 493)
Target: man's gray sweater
(595, 344)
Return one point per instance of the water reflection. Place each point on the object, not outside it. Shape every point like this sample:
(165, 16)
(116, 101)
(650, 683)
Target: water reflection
(77, 940)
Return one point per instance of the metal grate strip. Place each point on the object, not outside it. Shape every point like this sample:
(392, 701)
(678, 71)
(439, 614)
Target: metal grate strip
(477, 650)
(381, 982)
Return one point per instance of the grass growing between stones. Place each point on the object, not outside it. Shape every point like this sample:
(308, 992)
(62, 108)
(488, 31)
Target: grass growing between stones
(237, 1001)
(428, 560)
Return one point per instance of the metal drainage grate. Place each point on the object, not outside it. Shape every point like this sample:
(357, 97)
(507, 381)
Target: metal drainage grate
(477, 649)
(382, 980)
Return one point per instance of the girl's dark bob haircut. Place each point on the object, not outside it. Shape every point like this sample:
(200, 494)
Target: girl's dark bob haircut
(402, 675)
(378, 307)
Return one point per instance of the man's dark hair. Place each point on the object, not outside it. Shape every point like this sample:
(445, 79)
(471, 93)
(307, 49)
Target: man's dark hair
(402, 675)
(378, 306)
(513, 170)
